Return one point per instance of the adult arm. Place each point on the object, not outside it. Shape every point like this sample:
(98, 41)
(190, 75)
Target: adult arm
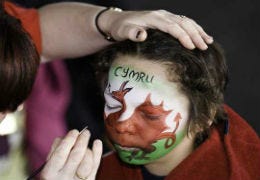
(68, 28)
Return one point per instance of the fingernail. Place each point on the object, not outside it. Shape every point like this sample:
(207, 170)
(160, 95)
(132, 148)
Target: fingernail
(205, 47)
(74, 132)
(97, 141)
(192, 46)
(210, 39)
(138, 34)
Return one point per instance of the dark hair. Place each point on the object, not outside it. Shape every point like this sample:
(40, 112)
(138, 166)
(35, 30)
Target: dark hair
(202, 75)
(19, 61)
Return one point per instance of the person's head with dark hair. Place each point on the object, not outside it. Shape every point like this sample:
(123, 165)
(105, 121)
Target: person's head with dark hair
(19, 61)
(161, 97)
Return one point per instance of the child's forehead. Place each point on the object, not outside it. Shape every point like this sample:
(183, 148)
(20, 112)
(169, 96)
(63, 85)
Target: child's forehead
(138, 69)
(141, 64)
(141, 82)
(136, 78)
(143, 74)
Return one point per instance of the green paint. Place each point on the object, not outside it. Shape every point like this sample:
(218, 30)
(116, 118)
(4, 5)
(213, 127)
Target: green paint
(132, 74)
(160, 151)
(158, 84)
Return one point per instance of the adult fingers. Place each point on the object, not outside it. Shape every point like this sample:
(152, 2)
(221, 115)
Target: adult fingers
(97, 152)
(130, 31)
(207, 38)
(86, 165)
(77, 154)
(199, 36)
(181, 35)
(193, 32)
(186, 30)
(54, 145)
(89, 165)
(61, 153)
(169, 23)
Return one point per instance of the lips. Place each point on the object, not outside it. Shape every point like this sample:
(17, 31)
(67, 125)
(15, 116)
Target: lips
(127, 148)
(129, 142)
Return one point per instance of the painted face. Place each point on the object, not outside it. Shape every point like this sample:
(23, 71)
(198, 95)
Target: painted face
(145, 114)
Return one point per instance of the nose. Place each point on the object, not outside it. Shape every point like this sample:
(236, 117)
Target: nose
(125, 127)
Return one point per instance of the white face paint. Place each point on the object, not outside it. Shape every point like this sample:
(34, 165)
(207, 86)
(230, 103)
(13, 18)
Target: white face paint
(142, 105)
(160, 88)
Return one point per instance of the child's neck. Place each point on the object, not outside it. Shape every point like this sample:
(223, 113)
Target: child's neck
(164, 165)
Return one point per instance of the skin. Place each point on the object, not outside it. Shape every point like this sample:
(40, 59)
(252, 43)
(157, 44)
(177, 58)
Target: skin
(139, 130)
(138, 114)
(68, 31)
(68, 28)
(70, 154)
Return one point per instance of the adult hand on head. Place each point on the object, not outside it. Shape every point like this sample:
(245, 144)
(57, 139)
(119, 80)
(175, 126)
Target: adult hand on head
(68, 29)
(133, 24)
(71, 159)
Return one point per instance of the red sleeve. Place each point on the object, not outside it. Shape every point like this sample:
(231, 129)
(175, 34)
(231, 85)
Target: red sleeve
(111, 168)
(29, 19)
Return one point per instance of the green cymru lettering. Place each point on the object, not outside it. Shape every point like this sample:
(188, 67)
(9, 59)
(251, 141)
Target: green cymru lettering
(126, 72)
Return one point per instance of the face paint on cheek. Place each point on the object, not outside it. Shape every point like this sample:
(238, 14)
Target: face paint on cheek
(148, 139)
(140, 157)
(137, 139)
(162, 145)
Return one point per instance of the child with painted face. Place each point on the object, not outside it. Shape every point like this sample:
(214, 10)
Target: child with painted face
(165, 117)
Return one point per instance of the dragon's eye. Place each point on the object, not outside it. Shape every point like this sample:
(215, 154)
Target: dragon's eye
(112, 107)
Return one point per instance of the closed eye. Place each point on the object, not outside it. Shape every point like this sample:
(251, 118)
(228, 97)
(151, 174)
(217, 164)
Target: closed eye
(152, 117)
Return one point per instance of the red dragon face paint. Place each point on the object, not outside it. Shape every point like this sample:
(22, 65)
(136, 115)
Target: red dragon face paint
(145, 114)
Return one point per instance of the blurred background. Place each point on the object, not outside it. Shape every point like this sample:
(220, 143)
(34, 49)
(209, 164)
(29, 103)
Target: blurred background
(234, 24)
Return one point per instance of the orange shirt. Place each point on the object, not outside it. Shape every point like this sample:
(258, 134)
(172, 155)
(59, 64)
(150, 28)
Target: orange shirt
(29, 19)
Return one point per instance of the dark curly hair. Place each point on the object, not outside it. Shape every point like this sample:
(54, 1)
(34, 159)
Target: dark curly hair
(202, 75)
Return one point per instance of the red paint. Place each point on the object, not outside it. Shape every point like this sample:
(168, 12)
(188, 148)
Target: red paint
(145, 125)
